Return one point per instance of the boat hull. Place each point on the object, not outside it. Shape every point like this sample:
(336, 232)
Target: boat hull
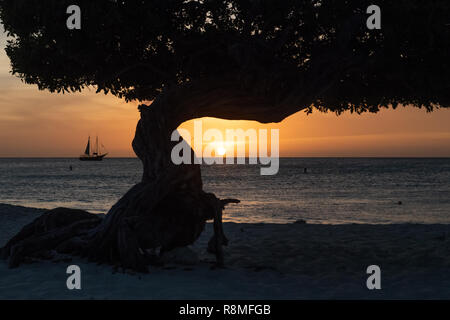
(92, 158)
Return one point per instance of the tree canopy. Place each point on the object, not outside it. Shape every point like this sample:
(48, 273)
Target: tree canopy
(296, 53)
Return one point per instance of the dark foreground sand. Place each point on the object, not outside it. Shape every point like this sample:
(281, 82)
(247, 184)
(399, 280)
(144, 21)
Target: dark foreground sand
(264, 261)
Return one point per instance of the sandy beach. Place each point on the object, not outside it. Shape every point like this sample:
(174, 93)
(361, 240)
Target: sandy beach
(264, 261)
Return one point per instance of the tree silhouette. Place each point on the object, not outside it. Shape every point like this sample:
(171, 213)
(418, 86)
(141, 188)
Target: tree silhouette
(249, 60)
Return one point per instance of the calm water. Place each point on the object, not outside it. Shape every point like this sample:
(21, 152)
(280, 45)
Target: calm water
(333, 191)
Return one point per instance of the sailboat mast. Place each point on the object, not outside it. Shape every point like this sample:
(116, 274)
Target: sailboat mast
(97, 145)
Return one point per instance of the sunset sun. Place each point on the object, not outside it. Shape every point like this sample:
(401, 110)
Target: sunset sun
(220, 150)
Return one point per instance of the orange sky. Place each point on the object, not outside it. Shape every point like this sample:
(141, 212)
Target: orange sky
(39, 124)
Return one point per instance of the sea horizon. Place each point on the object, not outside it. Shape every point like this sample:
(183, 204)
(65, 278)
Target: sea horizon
(330, 190)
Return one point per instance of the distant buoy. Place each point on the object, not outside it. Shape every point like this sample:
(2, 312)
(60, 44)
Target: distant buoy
(305, 170)
(70, 168)
(400, 203)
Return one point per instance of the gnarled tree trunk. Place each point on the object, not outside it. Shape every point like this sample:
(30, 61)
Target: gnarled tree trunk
(167, 209)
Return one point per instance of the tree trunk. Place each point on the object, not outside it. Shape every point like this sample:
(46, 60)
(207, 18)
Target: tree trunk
(167, 209)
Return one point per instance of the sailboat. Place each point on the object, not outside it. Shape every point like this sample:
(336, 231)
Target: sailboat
(95, 156)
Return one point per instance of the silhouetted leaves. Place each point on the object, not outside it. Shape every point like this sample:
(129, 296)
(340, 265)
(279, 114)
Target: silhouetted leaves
(135, 49)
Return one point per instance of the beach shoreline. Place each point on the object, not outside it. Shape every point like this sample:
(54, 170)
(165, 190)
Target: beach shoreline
(263, 261)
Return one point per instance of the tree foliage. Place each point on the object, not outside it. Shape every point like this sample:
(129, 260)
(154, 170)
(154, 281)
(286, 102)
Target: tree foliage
(137, 49)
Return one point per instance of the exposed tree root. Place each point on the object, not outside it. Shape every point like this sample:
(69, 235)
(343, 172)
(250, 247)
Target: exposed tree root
(167, 209)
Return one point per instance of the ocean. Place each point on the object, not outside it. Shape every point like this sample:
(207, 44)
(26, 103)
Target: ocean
(333, 191)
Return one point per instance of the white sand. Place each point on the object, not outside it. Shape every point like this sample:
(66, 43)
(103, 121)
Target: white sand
(264, 261)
